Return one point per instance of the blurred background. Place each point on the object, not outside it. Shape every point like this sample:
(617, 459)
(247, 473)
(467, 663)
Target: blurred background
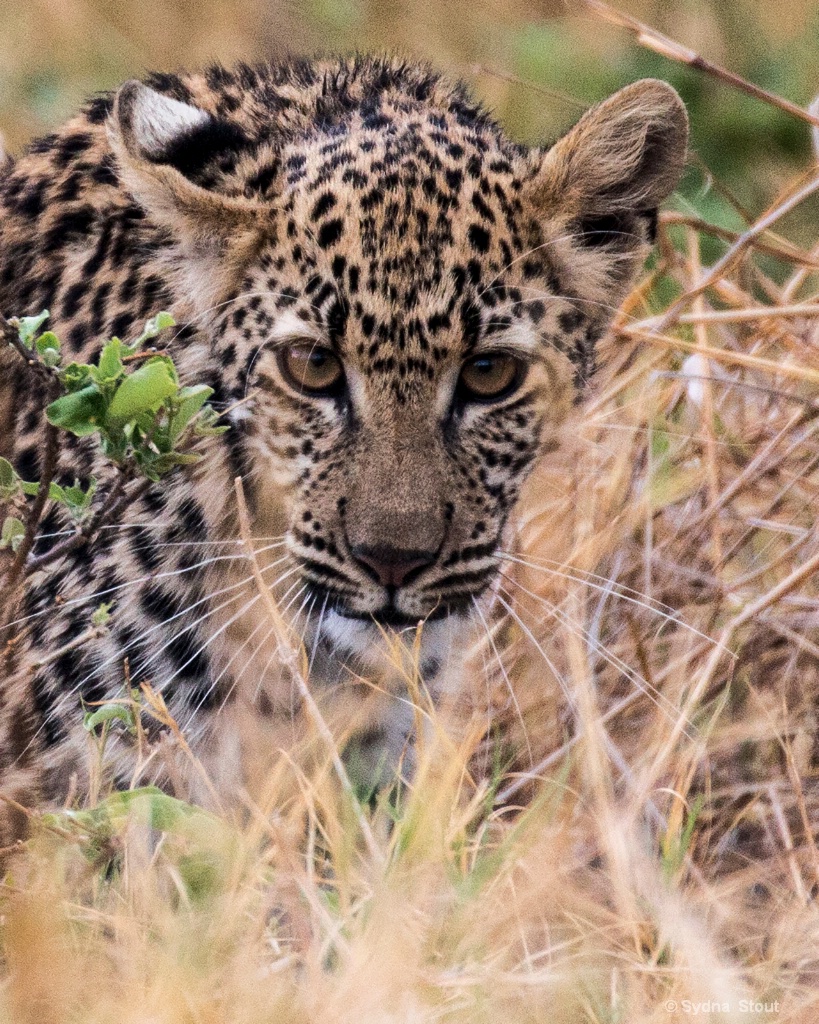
(535, 64)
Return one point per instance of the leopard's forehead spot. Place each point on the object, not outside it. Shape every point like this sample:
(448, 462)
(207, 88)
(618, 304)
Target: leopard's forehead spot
(419, 188)
(406, 242)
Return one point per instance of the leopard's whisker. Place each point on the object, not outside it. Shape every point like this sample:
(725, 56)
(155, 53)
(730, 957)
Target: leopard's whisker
(284, 611)
(76, 689)
(261, 622)
(140, 666)
(151, 525)
(611, 747)
(269, 543)
(656, 696)
(286, 608)
(564, 686)
(73, 601)
(311, 598)
(137, 668)
(204, 314)
(200, 650)
(235, 680)
(217, 679)
(549, 243)
(607, 306)
(316, 638)
(618, 590)
(211, 638)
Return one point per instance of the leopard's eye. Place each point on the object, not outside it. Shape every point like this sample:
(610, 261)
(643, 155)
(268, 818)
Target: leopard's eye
(311, 368)
(490, 376)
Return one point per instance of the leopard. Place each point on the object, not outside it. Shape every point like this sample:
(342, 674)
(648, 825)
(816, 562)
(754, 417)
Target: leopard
(396, 307)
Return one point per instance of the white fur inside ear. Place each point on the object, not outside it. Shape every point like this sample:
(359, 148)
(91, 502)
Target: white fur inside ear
(157, 120)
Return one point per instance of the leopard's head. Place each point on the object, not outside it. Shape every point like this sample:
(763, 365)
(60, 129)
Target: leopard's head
(407, 301)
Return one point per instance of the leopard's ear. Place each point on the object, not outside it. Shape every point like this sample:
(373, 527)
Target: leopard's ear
(598, 187)
(157, 140)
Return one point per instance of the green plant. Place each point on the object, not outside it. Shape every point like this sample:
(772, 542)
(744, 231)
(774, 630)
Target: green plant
(131, 398)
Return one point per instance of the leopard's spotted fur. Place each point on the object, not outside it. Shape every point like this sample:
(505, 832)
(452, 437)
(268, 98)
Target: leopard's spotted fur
(371, 207)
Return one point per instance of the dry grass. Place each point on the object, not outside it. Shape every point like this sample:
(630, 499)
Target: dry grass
(652, 846)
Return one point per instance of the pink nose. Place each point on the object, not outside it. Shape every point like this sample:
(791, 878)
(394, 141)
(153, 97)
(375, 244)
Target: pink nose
(392, 566)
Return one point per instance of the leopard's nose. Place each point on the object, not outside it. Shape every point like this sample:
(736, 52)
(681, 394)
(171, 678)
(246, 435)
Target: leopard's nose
(392, 566)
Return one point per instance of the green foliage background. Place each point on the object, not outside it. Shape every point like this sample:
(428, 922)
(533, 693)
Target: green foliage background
(55, 52)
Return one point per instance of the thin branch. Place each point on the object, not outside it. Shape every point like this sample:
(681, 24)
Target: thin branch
(650, 331)
(92, 633)
(35, 512)
(667, 47)
(505, 76)
(783, 250)
(115, 501)
(10, 334)
(737, 250)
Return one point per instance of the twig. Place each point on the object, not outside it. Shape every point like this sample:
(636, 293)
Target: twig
(711, 316)
(156, 706)
(667, 47)
(148, 354)
(116, 500)
(35, 512)
(10, 334)
(649, 331)
(783, 250)
(745, 240)
(504, 76)
(92, 633)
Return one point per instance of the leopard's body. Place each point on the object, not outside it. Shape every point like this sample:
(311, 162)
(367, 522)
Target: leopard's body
(362, 206)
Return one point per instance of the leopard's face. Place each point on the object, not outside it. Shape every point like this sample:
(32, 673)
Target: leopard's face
(408, 364)
(414, 304)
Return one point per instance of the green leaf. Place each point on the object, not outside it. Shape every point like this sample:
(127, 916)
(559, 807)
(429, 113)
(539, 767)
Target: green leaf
(55, 492)
(9, 481)
(75, 376)
(29, 326)
(102, 615)
(109, 713)
(158, 323)
(76, 496)
(81, 412)
(12, 533)
(48, 348)
(162, 463)
(110, 363)
(77, 499)
(190, 400)
(50, 358)
(205, 426)
(144, 390)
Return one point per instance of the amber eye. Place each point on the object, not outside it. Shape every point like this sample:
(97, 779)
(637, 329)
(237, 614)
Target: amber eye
(311, 368)
(489, 376)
